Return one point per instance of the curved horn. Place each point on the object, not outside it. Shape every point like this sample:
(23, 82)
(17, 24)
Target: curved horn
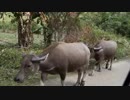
(36, 58)
(98, 48)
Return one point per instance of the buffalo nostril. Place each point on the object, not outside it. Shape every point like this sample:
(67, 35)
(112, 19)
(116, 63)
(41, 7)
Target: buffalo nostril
(16, 79)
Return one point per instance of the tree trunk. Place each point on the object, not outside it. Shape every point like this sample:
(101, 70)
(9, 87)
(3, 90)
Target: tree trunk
(3, 22)
(47, 37)
(25, 36)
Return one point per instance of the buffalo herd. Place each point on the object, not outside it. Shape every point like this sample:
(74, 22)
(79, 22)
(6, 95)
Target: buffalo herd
(61, 58)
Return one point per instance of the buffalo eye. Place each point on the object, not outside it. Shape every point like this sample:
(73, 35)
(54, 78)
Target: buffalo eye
(28, 65)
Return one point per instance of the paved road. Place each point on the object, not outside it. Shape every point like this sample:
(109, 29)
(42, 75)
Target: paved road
(115, 77)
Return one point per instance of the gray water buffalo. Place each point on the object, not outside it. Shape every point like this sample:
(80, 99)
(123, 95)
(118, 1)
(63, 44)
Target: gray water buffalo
(58, 58)
(104, 50)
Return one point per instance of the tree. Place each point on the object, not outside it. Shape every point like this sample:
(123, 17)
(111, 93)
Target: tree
(56, 25)
(25, 36)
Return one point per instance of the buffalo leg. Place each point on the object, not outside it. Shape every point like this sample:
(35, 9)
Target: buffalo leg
(97, 63)
(91, 72)
(99, 67)
(110, 65)
(62, 76)
(107, 64)
(46, 76)
(43, 78)
(79, 78)
(84, 76)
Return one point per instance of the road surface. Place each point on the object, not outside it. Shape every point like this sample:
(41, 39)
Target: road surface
(116, 77)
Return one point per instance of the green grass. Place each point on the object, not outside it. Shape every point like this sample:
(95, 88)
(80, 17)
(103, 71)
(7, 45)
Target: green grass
(11, 38)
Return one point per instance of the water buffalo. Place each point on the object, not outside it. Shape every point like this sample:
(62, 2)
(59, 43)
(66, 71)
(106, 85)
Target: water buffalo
(58, 58)
(104, 50)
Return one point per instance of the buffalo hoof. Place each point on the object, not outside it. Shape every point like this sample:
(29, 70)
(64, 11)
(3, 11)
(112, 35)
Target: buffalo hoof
(77, 84)
(106, 67)
(90, 74)
(109, 69)
(98, 70)
(82, 83)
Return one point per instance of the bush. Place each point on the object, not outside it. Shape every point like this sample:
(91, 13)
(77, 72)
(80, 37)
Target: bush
(8, 26)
